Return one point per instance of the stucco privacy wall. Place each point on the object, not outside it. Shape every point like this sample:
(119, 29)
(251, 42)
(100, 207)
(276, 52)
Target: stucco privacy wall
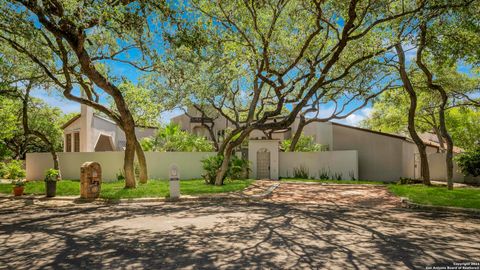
(438, 170)
(189, 164)
(332, 162)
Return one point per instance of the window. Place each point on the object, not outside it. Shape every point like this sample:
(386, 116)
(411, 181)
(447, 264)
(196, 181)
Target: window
(221, 134)
(76, 142)
(68, 143)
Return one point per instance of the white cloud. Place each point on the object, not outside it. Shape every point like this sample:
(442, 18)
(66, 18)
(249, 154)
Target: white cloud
(355, 118)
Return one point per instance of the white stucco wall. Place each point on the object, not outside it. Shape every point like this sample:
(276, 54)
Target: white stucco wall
(322, 132)
(438, 168)
(340, 162)
(189, 164)
(102, 126)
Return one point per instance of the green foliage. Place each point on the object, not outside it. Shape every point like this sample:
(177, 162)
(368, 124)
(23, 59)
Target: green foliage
(172, 139)
(8, 117)
(42, 118)
(304, 144)
(52, 175)
(237, 168)
(210, 166)
(144, 104)
(469, 162)
(337, 176)
(324, 174)
(409, 181)
(12, 170)
(301, 172)
(464, 126)
(18, 183)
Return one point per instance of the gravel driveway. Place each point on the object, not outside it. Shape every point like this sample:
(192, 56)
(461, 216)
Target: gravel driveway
(229, 235)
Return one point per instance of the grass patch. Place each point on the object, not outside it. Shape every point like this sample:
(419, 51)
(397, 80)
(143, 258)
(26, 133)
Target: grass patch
(332, 181)
(440, 196)
(115, 190)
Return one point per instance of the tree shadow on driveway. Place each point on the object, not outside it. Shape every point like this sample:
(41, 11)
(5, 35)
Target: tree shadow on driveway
(210, 235)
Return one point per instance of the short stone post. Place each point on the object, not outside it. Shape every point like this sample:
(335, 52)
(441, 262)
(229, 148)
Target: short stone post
(174, 182)
(90, 180)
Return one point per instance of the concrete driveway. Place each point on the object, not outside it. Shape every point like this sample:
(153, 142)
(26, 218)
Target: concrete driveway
(230, 235)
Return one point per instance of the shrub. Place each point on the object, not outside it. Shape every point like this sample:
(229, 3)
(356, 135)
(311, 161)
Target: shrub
(469, 162)
(18, 183)
(52, 175)
(120, 175)
(337, 176)
(323, 174)
(301, 172)
(409, 181)
(3, 169)
(13, 170)
(352, 176)
(171, 138)
(237, 169)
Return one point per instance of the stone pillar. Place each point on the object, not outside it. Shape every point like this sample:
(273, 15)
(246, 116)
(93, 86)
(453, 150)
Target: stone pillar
(90, 180)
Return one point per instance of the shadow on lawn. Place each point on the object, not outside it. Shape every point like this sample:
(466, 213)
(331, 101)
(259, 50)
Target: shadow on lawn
(232, 236)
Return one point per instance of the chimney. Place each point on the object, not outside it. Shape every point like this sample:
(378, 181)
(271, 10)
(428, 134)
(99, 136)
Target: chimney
(86, 119)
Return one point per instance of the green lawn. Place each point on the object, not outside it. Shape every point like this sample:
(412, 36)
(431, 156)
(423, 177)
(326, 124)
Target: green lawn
(115, 190)
(440, 196)
(332, 181)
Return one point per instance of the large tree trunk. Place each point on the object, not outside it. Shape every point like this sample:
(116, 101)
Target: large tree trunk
(298, 133)
(222, 171)
(425, 171)
(142, 163)
(129, 158)
(226, 149)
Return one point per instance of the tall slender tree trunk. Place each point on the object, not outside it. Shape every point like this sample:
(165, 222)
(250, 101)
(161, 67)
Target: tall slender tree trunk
(449, 141)
(142, 163)
(443, 105)
(425, 171)
(441, 141)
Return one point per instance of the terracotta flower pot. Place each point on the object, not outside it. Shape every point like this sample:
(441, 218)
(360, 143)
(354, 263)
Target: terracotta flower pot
(18, 191)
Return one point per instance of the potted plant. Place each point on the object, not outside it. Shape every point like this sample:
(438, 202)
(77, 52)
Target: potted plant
(51, 178)
(18, 187)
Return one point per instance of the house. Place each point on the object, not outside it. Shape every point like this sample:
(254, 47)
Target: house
(92, 132)
(381, 156)
(361, 153)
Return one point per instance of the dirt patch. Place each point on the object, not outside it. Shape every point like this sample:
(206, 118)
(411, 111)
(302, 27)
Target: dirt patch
(352, 195)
